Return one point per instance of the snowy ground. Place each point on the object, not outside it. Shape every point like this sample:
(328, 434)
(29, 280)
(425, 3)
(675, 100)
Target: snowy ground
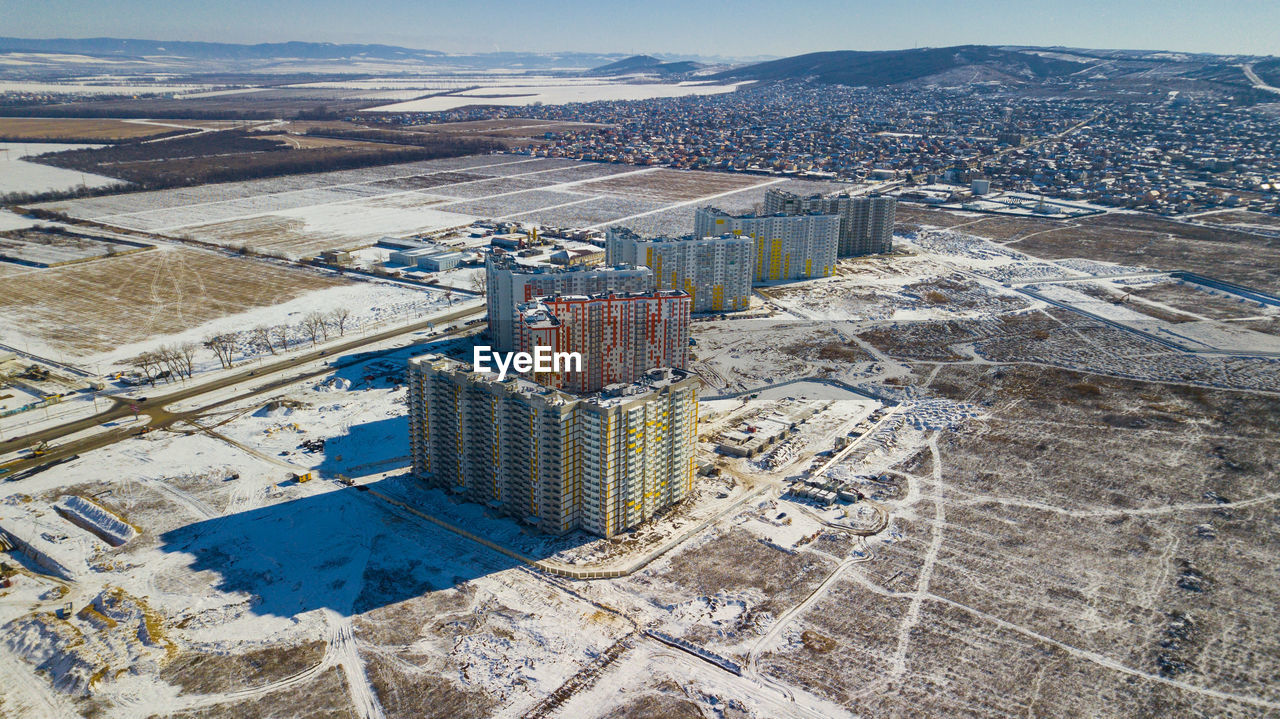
(14, 221)
(301, 215)
(20, 175)
(555, 91)
(1042, 526)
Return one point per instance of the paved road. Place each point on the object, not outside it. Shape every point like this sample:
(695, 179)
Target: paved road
(162, 418)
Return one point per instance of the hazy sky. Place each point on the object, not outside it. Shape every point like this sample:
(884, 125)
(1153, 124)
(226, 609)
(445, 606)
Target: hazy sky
(702, 27)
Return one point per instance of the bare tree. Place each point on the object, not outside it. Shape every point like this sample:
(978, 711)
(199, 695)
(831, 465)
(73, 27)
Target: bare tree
(188, 350)
(222, 346)
(171, 357)
(262, 334)
(313, 326)
(479, 283)
(282, 332)
(340, 317)
(147, 363)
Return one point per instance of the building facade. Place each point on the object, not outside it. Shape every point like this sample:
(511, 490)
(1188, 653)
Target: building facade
(715, 271)
(510, 284)
(787, 247)
(604, 462)
(866, 222)
(620, 336)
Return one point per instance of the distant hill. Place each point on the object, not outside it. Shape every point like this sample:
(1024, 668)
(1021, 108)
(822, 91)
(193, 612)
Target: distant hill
(891, 67)
(117, 47)
(232, 55)
(645, 64)
(236, 56)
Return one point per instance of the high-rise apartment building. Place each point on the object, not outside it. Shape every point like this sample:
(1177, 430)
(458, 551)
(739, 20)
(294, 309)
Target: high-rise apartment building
(866, 222)
(604, 462)
(787, 247)
(715, 271)
(509, 284)
(619, 336)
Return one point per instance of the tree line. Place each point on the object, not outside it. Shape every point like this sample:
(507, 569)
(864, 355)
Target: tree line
(177, 361)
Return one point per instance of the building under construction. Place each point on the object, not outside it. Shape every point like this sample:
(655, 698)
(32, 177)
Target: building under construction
(715, 271)
(510, 284)
(603, 462)
(866, 222)
(787, 247)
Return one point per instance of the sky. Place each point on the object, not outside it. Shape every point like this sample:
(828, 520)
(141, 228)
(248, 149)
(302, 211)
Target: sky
(747, 28)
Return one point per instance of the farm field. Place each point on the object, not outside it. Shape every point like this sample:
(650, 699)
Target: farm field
(213, 157)
(673, 185)
(109, 304)
(19, 175)
(512, 128)
(301, 215)
(50, 248)
(528, 90)
(98, 88)
(40, 129)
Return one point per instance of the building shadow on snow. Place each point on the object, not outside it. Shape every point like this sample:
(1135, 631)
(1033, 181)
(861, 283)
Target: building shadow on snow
(345, 550)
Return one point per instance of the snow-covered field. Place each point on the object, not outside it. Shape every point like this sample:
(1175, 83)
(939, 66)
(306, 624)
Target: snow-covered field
(13, 221)
(1204, 334)
(94, 314)
(555, 91)
(301, 215)
(103, 88)
(19, 175)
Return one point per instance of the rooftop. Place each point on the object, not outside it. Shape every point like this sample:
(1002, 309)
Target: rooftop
(610, 396)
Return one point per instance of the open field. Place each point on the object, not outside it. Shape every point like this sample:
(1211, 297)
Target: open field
(93, 307)
(1241, 217)
(310, 142)
(512, 131)
(1197, 301)
(301, 215)
(910, 215)
(40, 246)
(550, 91)
(1231, 253)
(21, 176)
(673, 185)
(234, 155)
(249, 104)
(18, 129)
(270, 96)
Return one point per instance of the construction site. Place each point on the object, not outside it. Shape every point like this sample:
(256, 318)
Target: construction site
(961, 478)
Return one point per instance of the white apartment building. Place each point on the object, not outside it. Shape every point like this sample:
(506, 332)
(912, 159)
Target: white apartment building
(715, 271)
(787, 247)
(509, 284)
